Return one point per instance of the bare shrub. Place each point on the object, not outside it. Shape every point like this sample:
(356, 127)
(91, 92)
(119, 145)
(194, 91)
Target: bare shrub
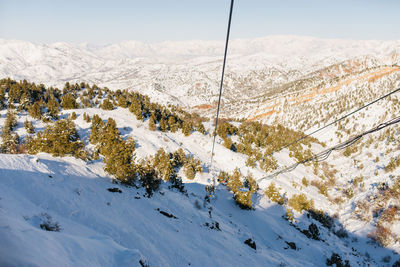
(362, 210)
(382, 235)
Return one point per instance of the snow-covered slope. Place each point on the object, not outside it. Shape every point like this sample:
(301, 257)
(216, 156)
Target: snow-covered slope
(98, 227)
(187, 73)
(300, 82)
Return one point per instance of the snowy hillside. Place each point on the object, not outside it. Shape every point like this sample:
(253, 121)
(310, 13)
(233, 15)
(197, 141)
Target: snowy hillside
(98, 227)
(187, 73)
(68, 210)
(62, 149)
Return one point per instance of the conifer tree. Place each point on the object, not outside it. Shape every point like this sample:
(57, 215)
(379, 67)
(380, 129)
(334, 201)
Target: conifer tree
(53, 107)
(85, 101)
(35, 110)
(109, 136)
(148, 177)
(172, 124)
(163, 164)
(67, 88)
(200, 127)
(29, 127)
(24, 102)
(86, 117)
(96, 129)
(119, 160)
(234, 182)
(73, 116)
(152, 122)
(191, 167)
(186, 127)
(10, 140)
(68, 101)
(58, 139)
(107, 105)
(15, 93)
(179, 157)
(163, 125)
(189, 171)
(122, 101)
(2, 98)
(136, 108)
(241, 196)
(228, 143)
(273, 193)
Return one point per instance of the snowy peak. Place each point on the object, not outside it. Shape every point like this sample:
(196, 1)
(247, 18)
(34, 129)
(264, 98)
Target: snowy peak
(187, 73)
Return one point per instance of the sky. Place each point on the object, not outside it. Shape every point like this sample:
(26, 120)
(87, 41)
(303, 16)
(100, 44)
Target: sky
(112, 21)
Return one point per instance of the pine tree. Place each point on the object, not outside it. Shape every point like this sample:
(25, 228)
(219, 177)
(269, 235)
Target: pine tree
(241, 196)
(136, 108)
(53, 107)
(96, 129)
(163, 164)
(148, 177)
(86, 117)
(200, 128)
(68, 101)
(85, 101)
(187, 128)
(73, 116)
(179, 158)
(29, 127)
(119, 160)
(24, 102)
(2, 98)
(228, 143)
(152, 122)
(191, 167)
(35, 110)
(234, 182)
(122, 101)
(163, 125)
(189, 171)
(67, 88)
(58, 139)
(269, 163)
(10, 140)
(107, 105)
(15, 93)
(172, 124)
(273, 193)
(109, 136)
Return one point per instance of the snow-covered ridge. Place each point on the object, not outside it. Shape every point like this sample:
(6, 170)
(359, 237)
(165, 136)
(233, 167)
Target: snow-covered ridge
(187, 72)
(279, 45)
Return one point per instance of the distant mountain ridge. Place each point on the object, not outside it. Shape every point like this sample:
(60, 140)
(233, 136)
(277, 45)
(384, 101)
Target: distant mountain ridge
(187, 73)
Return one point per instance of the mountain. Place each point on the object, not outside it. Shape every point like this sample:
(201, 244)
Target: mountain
(65, 211)
(343, 208)
(262, 74)
(188, 72)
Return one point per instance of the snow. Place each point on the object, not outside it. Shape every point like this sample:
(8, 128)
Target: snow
(113, 229)
(99, 227)
(176, 67)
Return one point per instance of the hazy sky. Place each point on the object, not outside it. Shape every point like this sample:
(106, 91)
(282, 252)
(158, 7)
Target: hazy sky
(110, 21)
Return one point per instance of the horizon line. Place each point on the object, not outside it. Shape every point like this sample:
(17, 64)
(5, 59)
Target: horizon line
(198, 40)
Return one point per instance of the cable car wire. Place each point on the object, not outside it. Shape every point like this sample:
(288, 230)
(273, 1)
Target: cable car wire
(220, 87)
(326, 153)
(345, 116)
